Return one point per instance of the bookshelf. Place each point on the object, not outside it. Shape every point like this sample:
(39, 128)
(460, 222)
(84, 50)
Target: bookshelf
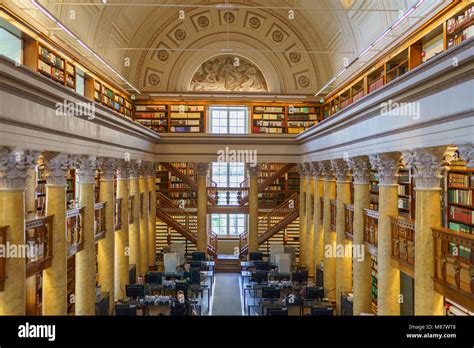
(301, 118)
(52, 65)
(459, 199)
(376, 79)
(396, 66)
(374, 190)
(107, 96)
(153, 116)
(281, 189)
(71, 286)
(374, 285)
(173, 187)
(40, 192)
(460, 27)
(268, 119)
(71, 189)
(186, 118)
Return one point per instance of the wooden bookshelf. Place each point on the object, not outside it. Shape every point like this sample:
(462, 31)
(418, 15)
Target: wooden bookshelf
(396, 66)
(459, 195)
(40, 192)
(186, 118)
(268, 119)
(173, 187)
(97, 187)
(71, 189)
(301, 118)
(460, 27)
(53, 66)
(153, 116)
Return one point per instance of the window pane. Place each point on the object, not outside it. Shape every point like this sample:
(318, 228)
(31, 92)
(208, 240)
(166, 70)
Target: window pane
(11, 44)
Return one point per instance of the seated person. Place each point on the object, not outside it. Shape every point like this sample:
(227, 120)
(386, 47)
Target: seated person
(180, 307)
(187, 273)
(141, 281)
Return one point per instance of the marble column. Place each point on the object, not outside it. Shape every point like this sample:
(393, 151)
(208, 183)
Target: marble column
(201, 170)
(253, 173)
(13, 172)
(134, 229)
(388, 281)
(122, 249)
(329, 260)
(427, 164)
(106, 246)
(309, 238)
(302, 170)
(152, 215)
(362, 268)
(144, 237)
(55, 301)
(343, 263)
(318, 235)
(86, 259)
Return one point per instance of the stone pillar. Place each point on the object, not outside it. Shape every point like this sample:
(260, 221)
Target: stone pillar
(121, 263)
(362, 300)
(13, 173)
(106, 246)
(55, 299)
(253, 173)
(86, 259)
(343, 263)
(144, 237)
(202, 169)
(388, 282)
(329, 261)
(134, 229)
(309, 238)
(302, 170)
(426, 165)
(318, 235)
(152, 215)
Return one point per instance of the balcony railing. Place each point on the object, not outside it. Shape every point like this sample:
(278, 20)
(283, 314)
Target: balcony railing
(454, 265)
(99, 220)
(226, 195)
(39, 244)
(75, 237)
(131, 204)
(3, 260)
(403, 243)
(333, 209)
(371, 230)
(118, 214)
(349, 220)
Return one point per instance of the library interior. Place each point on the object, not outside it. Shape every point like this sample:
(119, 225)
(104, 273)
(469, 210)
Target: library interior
(237, 158)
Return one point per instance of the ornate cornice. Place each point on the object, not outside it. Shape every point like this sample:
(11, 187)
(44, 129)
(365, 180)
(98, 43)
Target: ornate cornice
(340, 168)
(107, 167)
(86, 167)
(466, 153)
(56, 168)
(202, 169)
(13, 167)
(360, 167)
(387, 165)
(427, 164)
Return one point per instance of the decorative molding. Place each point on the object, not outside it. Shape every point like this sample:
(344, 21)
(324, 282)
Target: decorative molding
(341, 169)
(107, 167)
(466, 153)
(327, 170)
(14, 164)
(387, 165)
(427, 165)
(360, 167)
(201, 169)
(56, 168)
(86, 167)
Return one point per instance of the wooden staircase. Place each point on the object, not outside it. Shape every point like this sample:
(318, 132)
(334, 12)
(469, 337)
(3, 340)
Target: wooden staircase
(227, 264)
(183, 222)
(273, 222)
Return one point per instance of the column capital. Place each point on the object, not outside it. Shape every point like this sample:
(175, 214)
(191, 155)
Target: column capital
(123, 169)
(56, 166)
(253, 171)
(303, 169)
(13, 167)
(316, 171)
(202, 169)
(340, 168)
(134, 168)
(387, 165)
(86, 167)
(107, 166)
(466, 153)
(326, 170)
(360, 167)
(427, 164)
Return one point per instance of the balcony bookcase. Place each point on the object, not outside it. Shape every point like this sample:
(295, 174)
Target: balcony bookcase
(185, 118)
(153, 116)
(268, 119)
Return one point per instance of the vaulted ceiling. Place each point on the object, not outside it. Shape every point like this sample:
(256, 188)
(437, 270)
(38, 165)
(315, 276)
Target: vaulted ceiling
(159, 46)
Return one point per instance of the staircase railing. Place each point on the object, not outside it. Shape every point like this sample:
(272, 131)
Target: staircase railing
(244, 243)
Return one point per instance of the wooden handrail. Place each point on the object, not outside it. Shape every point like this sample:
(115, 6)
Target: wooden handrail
(74, 223)
(454, 265)
(403, 240)
(371, 229)
(349, 220)
(243, 242)
(225, 194)
(3, 260)
(333, 208)
(39, 244)
(118, 214)
(131, 204)
(99, 220)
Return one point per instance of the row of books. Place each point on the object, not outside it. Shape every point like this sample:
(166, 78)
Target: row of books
(460, 180)
(462, 215)
(460, 250)
(185, 129)
(303, 117)
(185, 122)
(454, 23)
(268, 109)
(268, 123)
(461, 196)
(153, 115)
(267, 130)
(463, 36)
(268, 116)
(186, 115)
(49, 56)
(300, 123)
(403, 190)
(185, 108)
(403, 203)
(302, 109)
(460, 227)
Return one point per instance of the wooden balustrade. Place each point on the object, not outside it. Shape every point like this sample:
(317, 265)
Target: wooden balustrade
(226, 195)
(3, 260)
(75, 236)
(212, 241)
(131, 204)
(454, 265)
(349, 220)
(371, 229)
(243, 242)
(403, 243)
(38, 244)
(118, 214)
(333, 209)
(99, 220)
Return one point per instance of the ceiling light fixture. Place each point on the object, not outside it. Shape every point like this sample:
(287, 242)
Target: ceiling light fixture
(66, 30)
(399, 20)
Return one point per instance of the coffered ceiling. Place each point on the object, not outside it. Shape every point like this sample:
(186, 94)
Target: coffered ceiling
(292, 46)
